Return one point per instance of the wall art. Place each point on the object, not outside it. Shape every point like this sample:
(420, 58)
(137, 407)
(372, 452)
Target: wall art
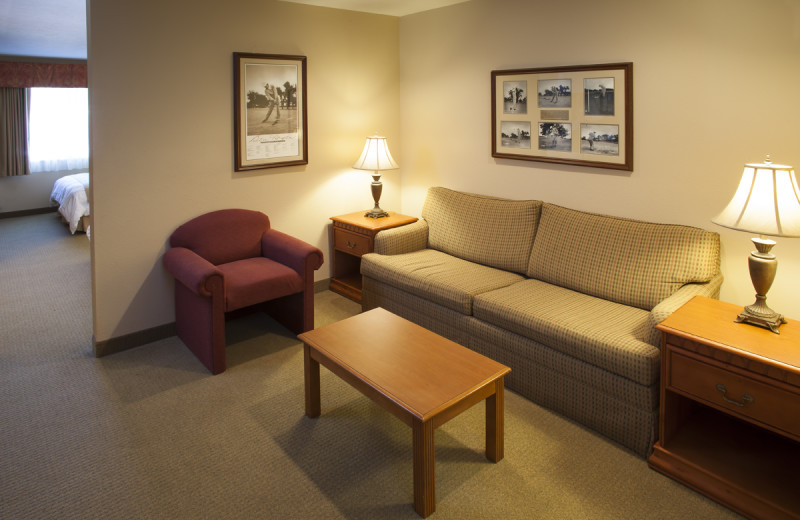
(581, 115)
(270, 119)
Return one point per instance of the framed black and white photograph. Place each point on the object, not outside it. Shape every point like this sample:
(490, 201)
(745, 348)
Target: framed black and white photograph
(515, 97)
(555, 93)
(595, 102)
(598, 96)
(516, 134)
(270, 120)
(555, 136)
(600, 139)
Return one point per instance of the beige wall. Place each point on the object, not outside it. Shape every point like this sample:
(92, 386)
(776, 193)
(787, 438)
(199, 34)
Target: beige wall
(28, 192)
(715, 86)
(161, 94)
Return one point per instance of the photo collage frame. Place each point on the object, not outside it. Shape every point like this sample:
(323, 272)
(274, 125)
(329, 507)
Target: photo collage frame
(580, 115)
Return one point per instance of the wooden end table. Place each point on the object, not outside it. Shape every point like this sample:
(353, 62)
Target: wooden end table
(420, 377)
(730, 409)
(354, 236)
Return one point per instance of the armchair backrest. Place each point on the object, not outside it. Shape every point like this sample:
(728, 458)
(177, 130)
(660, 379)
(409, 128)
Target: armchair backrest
(223, 236)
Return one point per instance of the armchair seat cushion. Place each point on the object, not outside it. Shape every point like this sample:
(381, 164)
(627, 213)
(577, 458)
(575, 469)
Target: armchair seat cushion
(255, 280)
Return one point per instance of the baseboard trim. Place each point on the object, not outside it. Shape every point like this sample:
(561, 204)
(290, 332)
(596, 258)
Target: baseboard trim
(143, 337)
(27, 212)
(133, 340)
(322, 285)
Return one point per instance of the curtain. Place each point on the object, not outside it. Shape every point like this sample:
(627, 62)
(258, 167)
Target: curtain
(13, 132)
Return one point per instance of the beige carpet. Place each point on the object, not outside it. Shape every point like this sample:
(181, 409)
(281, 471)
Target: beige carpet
(148, 433)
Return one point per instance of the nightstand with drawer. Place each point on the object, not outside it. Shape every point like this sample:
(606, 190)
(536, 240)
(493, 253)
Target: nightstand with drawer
(730, 409)
(353, 236)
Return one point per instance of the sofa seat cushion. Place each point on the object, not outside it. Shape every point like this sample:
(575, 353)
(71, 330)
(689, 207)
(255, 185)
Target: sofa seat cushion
(437, 277)
(255, 280)
(609, 335)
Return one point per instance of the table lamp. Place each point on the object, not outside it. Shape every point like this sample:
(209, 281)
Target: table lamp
(767, 202)
(376, 157)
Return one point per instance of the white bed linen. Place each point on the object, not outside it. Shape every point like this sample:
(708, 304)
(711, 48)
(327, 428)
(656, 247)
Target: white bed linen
(71, 194)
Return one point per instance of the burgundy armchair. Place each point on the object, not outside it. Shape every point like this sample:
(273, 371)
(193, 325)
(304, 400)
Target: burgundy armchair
(229, 260)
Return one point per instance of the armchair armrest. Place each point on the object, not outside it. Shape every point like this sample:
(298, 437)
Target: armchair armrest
(671, 304)
(290, 251)
(403, 239)
(192, 270)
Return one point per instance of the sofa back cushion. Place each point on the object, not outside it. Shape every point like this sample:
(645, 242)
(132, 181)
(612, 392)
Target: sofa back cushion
(487, 230)
(627, 261)
(223, 236)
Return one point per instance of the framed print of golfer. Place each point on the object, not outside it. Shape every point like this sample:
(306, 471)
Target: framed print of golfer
(555, 93)
(516, 134)
(270, 120)
(515, 97)
(600, 139)
(593, 101)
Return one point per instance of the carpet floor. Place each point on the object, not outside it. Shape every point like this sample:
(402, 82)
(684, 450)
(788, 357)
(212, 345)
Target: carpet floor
(147, 433)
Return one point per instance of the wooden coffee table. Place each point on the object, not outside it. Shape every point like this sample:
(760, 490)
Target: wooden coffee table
(420, 377)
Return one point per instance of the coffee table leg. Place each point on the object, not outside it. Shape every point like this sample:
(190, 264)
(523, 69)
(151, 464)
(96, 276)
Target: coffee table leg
(494, 423)
(311, 373)
(424, 478)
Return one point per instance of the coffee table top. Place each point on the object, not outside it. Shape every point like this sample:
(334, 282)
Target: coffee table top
(418, 370)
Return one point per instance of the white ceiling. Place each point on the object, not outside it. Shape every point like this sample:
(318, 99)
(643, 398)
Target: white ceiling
(57, 28)
(43, 28)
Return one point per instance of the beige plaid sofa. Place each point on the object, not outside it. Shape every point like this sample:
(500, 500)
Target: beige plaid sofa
(567, 299)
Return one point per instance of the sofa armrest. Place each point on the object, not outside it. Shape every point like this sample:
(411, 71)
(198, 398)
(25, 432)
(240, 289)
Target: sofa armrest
(192, 270)
(403, 239)
(292, 252)
(669, 305)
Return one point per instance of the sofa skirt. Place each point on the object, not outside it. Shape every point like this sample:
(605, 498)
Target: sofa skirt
(620, 409)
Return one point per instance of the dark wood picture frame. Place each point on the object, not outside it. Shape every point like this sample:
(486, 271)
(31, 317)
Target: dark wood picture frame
(264, 87)
(537, 116)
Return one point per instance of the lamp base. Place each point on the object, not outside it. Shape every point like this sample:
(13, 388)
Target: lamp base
(763, 265)
(377, 188)
(761, 315)
(376, 212)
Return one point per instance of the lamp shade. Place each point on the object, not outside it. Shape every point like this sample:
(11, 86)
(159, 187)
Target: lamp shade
(767, 202)
(376, 156)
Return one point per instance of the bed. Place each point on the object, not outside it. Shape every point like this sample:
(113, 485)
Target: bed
(71, 193)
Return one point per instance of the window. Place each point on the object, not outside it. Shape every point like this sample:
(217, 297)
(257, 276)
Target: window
(58, 129)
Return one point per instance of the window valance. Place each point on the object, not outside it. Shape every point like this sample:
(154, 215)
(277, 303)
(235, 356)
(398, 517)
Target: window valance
(21, 74)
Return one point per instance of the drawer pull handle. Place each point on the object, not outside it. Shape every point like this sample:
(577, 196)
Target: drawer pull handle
(351, 245)
(746, 398)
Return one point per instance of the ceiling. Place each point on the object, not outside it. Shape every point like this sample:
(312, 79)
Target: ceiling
(57, 28)
(43, 28)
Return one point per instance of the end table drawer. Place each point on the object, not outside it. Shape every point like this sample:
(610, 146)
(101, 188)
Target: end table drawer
(352, 243)
(739, 395)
